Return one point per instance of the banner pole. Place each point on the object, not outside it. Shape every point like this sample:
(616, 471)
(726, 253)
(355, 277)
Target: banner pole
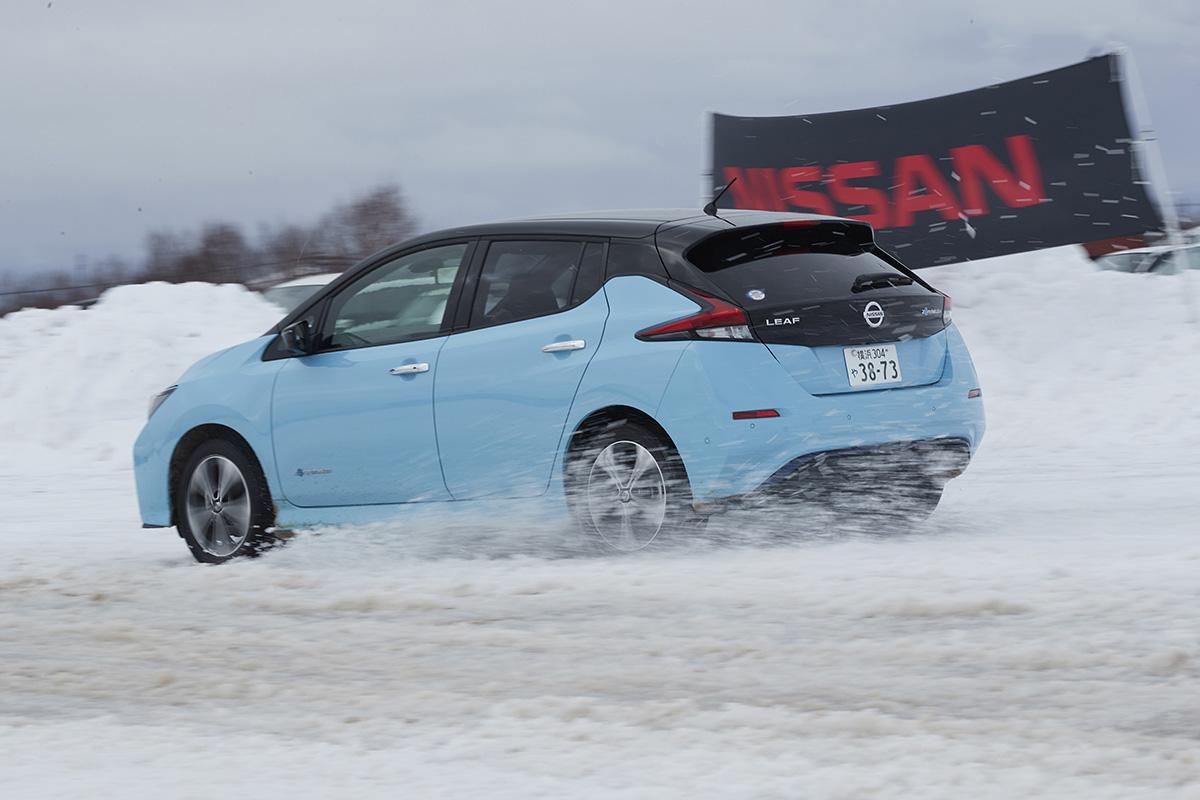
(1151, 163)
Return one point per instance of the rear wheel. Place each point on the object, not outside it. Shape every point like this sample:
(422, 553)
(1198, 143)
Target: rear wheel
(223, 508)
(627, 487)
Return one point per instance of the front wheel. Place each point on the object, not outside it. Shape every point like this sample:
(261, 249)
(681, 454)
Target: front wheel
(627, 487)
(223, 508)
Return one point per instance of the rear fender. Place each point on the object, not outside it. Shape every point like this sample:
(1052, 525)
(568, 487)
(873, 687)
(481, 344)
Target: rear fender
(626, 371)
(710, 382)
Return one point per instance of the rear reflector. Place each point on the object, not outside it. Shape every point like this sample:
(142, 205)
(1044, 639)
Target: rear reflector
(973, 393)
(716, 319)
(759, 413)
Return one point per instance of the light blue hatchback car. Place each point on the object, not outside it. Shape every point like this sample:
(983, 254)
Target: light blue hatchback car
(633, 372)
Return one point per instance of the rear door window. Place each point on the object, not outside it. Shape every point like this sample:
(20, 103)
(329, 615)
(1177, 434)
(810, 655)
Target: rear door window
(525, 279)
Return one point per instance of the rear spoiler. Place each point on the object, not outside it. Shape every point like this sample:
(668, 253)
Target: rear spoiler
(684, 245)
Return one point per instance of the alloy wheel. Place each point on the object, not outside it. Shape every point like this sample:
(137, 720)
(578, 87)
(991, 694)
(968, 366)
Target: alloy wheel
(218, 506)
(626, 496)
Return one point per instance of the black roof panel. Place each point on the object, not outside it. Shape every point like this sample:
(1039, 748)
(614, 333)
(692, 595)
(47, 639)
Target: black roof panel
(627, 224)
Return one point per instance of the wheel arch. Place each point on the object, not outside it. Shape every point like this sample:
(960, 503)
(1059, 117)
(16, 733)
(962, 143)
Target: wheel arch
(613, 415)
(187, 445)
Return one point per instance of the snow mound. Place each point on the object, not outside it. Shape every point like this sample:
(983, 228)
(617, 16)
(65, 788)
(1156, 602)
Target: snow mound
(1094, 363)
(82, 378)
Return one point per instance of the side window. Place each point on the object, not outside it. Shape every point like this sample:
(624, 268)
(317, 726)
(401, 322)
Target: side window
(400, 300)
(591, 272)
(521, 280)
(1193, 257)
(634, 258)
(1141, 262)
(1165, 263)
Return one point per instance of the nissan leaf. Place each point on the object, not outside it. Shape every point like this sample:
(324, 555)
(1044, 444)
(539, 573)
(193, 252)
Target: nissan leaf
(632, 373)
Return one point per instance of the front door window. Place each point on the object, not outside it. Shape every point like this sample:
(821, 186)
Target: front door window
(400, 301)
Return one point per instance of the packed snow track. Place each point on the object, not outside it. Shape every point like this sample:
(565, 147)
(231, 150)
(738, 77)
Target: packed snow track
(1039, 636)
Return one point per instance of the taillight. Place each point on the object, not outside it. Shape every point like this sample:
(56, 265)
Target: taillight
(716, 319)
(946, 315)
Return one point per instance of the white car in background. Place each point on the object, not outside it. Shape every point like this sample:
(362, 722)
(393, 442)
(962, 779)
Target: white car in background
(1161, 259)
(289, 294)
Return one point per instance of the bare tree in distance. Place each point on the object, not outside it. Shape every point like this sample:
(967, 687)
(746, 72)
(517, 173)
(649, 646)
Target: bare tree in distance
(282, 252)
(165, 250)
(354, 230)
(221, 253)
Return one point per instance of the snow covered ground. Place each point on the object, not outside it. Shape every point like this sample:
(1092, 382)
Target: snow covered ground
(1040, 637)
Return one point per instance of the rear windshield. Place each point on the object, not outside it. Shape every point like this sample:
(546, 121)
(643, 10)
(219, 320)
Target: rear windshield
(791, 263)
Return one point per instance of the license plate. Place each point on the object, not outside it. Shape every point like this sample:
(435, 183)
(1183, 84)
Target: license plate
(872, 365)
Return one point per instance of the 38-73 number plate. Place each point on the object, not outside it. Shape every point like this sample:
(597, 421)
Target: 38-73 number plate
(872, 365)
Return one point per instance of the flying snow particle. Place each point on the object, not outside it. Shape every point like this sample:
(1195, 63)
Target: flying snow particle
(970, 231)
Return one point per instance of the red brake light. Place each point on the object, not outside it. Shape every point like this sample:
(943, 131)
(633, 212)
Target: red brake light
(716, 319)
(946, 315)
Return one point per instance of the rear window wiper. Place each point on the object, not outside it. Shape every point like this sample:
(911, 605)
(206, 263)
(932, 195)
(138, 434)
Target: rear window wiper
(880, 280)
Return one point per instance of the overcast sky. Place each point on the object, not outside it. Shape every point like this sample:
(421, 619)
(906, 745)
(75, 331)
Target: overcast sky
(121, 116)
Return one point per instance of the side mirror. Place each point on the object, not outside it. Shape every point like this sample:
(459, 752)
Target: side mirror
(297, 338)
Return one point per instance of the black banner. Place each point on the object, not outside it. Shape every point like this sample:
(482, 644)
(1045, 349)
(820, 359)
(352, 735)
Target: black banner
(1037, 162)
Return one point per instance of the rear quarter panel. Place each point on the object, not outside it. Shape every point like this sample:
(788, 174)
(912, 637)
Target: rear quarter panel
(626, 371)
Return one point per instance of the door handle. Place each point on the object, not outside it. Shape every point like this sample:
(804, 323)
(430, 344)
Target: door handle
(562, 347)
(409, 369)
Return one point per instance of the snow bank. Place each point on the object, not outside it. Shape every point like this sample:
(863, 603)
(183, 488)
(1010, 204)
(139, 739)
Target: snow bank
(1094, 363)
(80, 380)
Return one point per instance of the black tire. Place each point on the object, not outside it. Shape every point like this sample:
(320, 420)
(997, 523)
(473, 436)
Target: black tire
(205, 543)
(587, 481)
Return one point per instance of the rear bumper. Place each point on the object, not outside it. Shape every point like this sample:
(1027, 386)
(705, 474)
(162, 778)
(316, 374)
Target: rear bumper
(897, 467)
(728, 458)
(929, 461)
